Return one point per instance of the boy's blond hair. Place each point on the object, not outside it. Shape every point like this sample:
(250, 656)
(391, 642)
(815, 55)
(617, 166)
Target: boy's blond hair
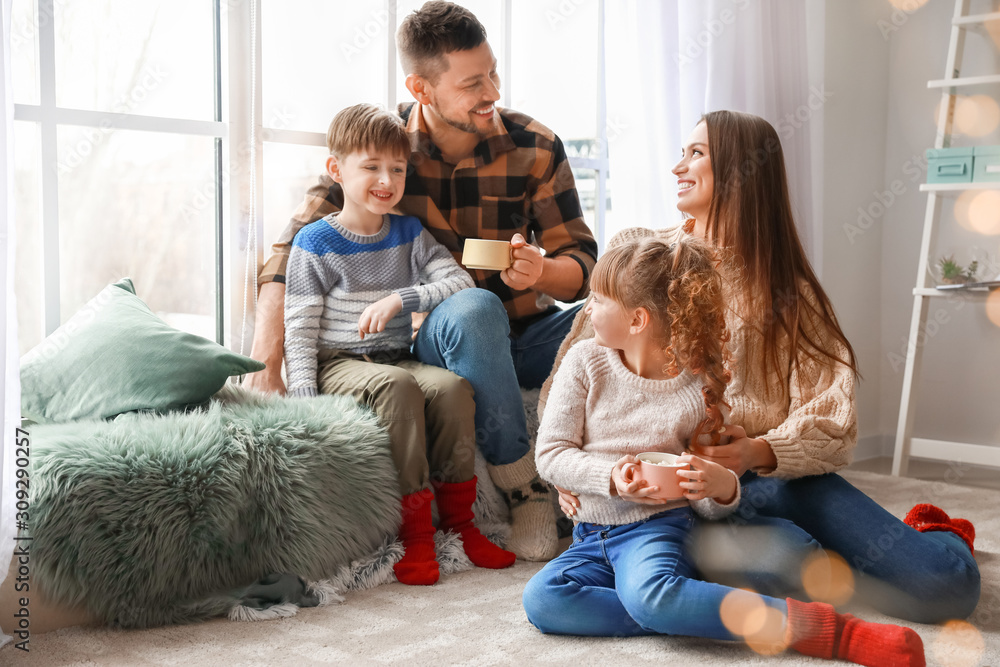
(366, 126)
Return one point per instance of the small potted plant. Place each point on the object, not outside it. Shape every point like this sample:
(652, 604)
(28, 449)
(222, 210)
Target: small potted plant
(951, 272)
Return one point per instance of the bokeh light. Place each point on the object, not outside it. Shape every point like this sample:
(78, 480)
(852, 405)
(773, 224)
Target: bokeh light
(826, 577)
(993, 307)
(743, 612)
(977, 115)
(908, 5)
(962, 204)
(993, 30)
(958, 644)
(984, 212)
(770, 639)
(937, 107)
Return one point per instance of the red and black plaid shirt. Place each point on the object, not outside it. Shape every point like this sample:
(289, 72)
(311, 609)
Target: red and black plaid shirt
(518, 180)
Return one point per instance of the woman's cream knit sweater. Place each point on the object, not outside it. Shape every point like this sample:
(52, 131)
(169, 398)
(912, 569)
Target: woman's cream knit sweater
(807, 415)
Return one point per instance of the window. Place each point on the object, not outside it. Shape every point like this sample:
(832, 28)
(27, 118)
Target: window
(130, 160)
(117, 157)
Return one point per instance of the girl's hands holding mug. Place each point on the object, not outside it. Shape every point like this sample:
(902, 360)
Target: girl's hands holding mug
(707, 480)
(635, 491)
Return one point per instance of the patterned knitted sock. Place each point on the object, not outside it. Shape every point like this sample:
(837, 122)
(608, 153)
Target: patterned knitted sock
(533, 524)
(815, 629)
(418, 566)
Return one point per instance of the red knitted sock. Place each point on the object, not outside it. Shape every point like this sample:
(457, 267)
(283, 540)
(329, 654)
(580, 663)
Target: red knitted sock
(454, 502)
(419, 566)
(926, 517)
(815, 629)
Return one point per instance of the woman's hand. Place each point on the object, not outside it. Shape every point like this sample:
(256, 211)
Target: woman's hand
(741, 454)
(633, 491)
(569, 503)
(707, 480)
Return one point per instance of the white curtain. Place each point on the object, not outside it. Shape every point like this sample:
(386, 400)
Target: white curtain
(670, 62)
(10, 399)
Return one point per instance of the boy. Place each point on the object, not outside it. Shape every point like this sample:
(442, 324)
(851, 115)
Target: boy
(478, 171)
(353, 279)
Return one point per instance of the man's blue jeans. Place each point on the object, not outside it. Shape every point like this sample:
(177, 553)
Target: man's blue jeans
(629, 580)
(922, 577)
(469, 334)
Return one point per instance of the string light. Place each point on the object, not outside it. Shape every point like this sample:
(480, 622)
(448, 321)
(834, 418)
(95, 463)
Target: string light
(976, 115)
(743, 612)
(984, 212)
(993, 307)
(958, 644)
(826, 577)
(908, 5)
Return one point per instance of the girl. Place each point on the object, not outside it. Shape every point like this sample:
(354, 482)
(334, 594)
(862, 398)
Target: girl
(654, 374)
(794, 417)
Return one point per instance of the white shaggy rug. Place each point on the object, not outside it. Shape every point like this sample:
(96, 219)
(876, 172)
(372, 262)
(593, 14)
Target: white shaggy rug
(474, 617)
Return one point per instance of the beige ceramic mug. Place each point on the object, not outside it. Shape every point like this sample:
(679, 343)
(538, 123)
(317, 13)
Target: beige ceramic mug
(657, 469)
(485, 254)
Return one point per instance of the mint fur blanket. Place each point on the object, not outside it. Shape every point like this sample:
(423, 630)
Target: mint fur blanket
(158, 519)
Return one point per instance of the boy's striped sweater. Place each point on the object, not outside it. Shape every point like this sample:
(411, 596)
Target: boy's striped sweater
(334, 274)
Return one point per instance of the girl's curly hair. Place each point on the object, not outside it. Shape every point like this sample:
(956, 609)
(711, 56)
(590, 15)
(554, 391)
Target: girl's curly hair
(680, 287)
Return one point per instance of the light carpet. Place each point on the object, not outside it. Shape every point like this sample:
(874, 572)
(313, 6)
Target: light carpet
(474, 617)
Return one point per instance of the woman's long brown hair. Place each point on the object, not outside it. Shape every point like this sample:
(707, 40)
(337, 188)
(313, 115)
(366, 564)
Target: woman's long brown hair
(750, 215)
(680, 288)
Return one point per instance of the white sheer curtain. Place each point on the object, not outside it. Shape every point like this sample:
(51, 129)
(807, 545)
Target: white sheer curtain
(670, 62)
(10, 399)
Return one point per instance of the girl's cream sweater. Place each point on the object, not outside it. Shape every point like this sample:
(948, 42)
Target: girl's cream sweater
(807, 415)
(598, 411)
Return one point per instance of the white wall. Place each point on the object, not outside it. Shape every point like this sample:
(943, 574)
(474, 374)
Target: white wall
(957, 398)
(876, 127)
(856, 74)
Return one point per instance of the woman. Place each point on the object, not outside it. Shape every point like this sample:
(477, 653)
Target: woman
(793, 421)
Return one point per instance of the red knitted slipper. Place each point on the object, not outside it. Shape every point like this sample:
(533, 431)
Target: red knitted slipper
(815, 629)
(926, 517)
(454, 502)
(418, 566)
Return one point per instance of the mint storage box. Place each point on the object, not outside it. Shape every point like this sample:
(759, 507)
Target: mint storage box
(986, 164)
(949, 165)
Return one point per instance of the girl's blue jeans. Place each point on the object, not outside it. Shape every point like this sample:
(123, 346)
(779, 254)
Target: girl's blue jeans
(629, 580)
(469, 334)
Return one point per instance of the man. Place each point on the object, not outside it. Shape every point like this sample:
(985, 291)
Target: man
(475, 171)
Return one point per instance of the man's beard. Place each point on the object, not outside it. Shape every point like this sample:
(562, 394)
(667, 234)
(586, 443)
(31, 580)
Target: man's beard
(458, 125)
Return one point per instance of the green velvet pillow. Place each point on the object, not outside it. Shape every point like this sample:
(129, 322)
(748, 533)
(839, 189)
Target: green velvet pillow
(116, 356)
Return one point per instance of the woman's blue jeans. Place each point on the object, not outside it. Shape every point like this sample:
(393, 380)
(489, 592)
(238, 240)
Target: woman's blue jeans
(469, 334)
(629, 580)
(922, 577)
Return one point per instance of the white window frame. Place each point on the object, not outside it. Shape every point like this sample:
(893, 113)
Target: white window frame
(49, 117)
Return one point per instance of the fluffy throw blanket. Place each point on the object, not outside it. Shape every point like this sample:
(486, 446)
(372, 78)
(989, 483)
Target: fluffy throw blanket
(151, 520)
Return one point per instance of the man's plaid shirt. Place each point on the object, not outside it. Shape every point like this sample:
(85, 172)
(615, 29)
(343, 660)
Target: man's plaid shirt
(517, 180)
